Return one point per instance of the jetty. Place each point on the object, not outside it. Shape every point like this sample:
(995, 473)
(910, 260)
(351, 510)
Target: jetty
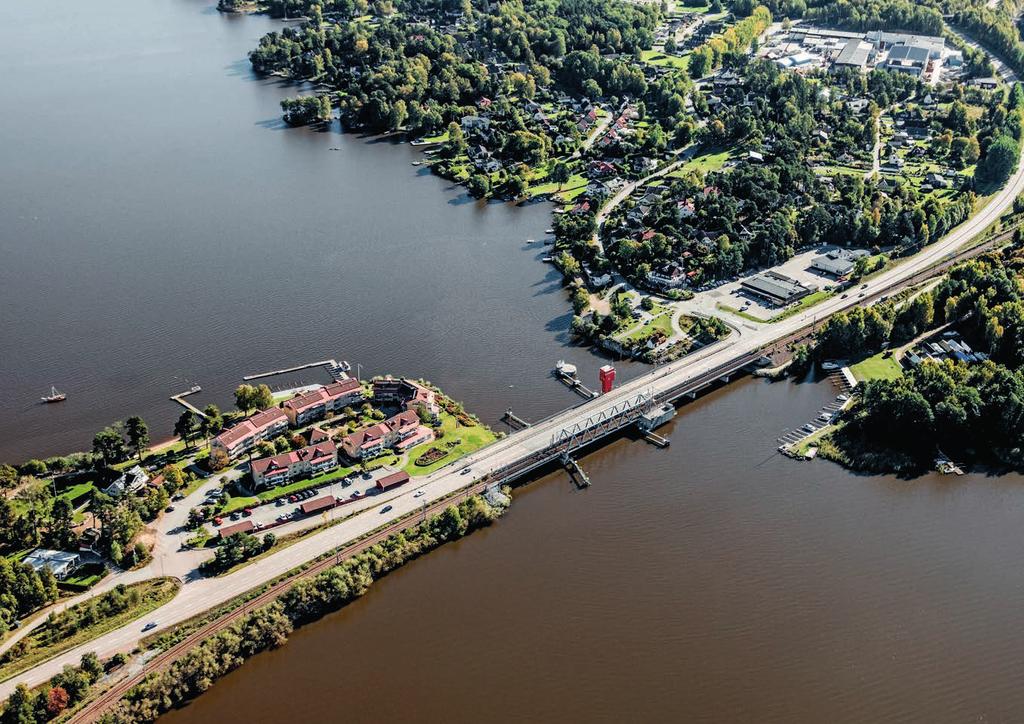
(337, 370)
(180, 399)
(514, 421)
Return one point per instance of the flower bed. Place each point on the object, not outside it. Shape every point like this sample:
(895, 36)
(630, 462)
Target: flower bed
(430, 456)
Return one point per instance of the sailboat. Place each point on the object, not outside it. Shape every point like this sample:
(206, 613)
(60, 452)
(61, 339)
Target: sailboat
(54, 396)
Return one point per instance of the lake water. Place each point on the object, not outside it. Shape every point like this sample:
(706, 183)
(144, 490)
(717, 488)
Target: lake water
(161, 227)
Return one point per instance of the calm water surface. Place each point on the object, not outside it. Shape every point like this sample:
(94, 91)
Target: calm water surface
(160, 227)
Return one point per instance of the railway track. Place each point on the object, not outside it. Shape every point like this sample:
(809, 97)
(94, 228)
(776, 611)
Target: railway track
(94, 709)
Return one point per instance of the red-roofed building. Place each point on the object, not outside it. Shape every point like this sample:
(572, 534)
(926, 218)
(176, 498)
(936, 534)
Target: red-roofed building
(315, 506)
(390, 482)
(400, 433)
(279, 469)
(242, 437)
(246, 526)
(305, 408)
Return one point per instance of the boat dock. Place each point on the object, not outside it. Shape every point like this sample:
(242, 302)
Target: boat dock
(337, 370)
(180, 399)
(656, 439)
(575, 384)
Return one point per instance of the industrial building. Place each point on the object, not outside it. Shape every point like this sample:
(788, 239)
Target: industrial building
(838, 262)
(854, 54)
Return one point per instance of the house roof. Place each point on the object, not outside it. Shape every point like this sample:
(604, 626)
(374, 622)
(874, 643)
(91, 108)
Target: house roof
(393, 480)
(250, 426)
(246, 526)
(322, 395)
(371, 434)
(311, 454)
(314, 506)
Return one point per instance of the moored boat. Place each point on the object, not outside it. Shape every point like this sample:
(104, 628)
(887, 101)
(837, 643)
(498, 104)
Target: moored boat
(54, 396)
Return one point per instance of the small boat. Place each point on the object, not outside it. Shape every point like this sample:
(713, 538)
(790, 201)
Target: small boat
(54, 396)
(566, 370)
(548, 259)
(549, 231)
(530, 241)
(194, 389)
(417, 163)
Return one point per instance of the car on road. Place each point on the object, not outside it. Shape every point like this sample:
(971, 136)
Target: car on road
(169, 509)
(863, 286)
(860, 295)
(419, 494)
(149, 626)
(465, 471)
(844, 296)
(178, 496)
(385, 509)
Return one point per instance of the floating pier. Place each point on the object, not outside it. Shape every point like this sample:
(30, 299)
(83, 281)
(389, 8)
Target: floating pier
(180, 399)
(337, 370)
(575, 384)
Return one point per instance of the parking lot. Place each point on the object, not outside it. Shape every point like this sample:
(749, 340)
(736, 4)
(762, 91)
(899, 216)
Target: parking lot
(731, 293)
(360, 488)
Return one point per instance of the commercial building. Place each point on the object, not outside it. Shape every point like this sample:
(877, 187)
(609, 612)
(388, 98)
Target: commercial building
(311, 406)
(61, 563)
(837, 263)
(309, 461)
(406, 394)
(242, 437)
(776, 288)
(399, 433)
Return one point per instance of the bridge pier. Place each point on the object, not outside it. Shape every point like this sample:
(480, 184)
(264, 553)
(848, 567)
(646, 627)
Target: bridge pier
(576, 473)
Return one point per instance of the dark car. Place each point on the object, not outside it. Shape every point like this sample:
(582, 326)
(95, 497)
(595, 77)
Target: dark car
(149, 626)
(385, 509)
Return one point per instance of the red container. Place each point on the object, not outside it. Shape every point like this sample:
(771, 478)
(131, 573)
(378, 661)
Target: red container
(607, 374)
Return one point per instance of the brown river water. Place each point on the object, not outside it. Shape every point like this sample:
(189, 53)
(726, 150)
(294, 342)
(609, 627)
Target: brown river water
(161, 226)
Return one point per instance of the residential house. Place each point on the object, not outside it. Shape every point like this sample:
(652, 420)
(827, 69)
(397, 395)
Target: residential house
(308, 461)
(406, 394)
(243, 437)
(398, 433)
(130, 481)
(61, 563)
(311, 406)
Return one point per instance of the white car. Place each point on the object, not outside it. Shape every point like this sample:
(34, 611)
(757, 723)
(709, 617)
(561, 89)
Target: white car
(419, 494)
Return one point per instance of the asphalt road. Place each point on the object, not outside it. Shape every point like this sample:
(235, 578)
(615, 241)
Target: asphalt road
(199, 594)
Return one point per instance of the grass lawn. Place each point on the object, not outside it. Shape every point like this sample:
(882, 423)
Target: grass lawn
(877, 368)
(712, 160)
(661, 321)
(75, 491)
(809, 301)
(86, 576)
(40, 644)
(472, 439)
(660, 59)
(572, 188)
(742, 314)
(440, 138)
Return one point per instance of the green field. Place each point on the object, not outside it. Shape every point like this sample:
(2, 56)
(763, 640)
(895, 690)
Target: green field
(472, 439)
(877, 367)
(665, 60)
(712, 160)
(809, 301)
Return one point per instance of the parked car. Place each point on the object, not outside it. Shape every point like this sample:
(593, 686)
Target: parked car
(169, 509)
(247, 512)
(218, 521)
